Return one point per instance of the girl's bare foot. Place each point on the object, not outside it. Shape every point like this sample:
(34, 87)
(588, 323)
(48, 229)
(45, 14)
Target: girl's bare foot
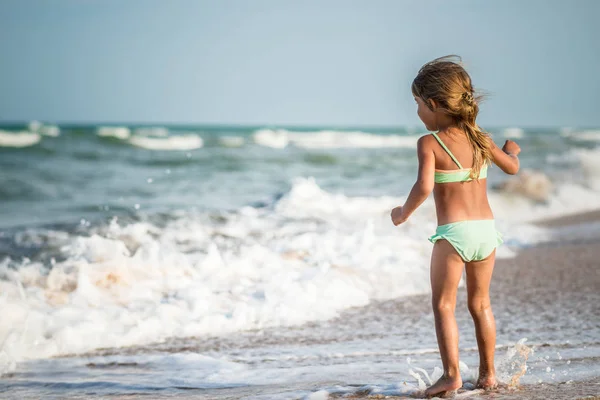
(487, 382)
(444, 384)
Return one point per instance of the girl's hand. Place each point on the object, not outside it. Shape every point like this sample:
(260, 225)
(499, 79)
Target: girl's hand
(397, 216)
(511, 147)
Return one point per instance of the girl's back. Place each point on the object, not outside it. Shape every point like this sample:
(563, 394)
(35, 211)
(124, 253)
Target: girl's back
(458, 201)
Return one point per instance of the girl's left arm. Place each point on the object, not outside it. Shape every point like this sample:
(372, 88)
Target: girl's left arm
(424, 185)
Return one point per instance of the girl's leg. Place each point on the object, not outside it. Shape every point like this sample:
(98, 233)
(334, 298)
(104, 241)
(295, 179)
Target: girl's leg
(479, 276)
(446, 271)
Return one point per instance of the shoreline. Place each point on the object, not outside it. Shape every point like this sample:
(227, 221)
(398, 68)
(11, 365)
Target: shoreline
(570, 220)
(545, 293)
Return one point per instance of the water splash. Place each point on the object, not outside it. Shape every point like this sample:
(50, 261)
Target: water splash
(513, 365)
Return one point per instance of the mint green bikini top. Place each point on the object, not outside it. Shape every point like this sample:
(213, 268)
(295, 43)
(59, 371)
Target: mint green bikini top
(458, 175)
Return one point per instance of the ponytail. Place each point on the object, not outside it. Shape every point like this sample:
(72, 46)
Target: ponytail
(445, 81)
(479, 140)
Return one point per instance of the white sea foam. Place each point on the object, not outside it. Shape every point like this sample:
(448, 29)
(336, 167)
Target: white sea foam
(43, 129)
(587, 159)
(136, 284)
(18, 139)
(513, 133)
(331, 139)
(306, 258)
(119, 132)
(49, 130)
(582, 136)
(34, 126)
(182, 142)
(277, 139)
(590, 164)
(565, 199)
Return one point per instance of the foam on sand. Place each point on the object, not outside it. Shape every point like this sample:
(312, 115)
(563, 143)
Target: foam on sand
(19, 139)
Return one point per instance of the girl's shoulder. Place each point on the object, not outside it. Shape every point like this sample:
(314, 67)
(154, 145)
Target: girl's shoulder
(426, 141)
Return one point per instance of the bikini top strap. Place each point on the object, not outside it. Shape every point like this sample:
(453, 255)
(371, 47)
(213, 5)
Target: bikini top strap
(447, 150)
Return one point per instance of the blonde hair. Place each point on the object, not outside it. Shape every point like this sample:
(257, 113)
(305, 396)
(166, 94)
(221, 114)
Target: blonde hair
(445, 81)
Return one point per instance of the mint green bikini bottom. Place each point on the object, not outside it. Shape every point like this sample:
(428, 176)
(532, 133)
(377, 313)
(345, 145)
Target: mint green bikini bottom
(473, 240)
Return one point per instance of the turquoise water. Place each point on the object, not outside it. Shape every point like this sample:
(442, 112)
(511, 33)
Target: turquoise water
(80, 175)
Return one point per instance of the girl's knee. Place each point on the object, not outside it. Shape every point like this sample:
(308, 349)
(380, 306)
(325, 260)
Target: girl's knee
(443, 306)
(479, 305)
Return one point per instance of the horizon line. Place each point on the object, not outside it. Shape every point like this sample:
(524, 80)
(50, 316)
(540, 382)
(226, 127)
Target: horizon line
(222, 125)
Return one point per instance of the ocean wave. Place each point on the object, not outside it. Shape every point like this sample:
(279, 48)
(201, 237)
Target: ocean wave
(305, 257)
(183, 142)
(281, 138)
(587, 159)
(50, 130)
(269, 138)
(533, 203)
(19, 139)
(309, 256)
(534, 185)
(43, 129)
(155, 131)
(513, 133)
(138, 283)
(232, 141)
(582, 136)
(118, 132)
(590, 164)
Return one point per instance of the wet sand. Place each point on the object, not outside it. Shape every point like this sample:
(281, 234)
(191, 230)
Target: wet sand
(564, 275)
(575, 219)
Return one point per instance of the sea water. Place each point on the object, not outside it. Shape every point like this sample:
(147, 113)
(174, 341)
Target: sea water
(141, 257)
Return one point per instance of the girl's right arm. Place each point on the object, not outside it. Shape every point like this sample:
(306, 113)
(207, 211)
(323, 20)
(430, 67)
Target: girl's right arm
(506, 158)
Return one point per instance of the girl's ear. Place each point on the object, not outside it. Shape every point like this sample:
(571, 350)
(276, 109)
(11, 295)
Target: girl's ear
(432, 104)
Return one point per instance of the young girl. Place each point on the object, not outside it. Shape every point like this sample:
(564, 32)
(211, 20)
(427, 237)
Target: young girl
(453, 164)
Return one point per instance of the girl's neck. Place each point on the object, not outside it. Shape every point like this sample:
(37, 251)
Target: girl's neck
(445, 123)
(449, 129)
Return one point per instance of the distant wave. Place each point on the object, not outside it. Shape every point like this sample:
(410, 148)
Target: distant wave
(183, 142)
(119, 132)
(232, 141)
(329, 139)
(513, 133)
(43, 129)
(152, 138)
(269, 138)
(156, 131)
(582, 136)
(19, 139)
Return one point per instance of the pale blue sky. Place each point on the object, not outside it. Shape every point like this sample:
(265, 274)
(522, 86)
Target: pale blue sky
(309, 62)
